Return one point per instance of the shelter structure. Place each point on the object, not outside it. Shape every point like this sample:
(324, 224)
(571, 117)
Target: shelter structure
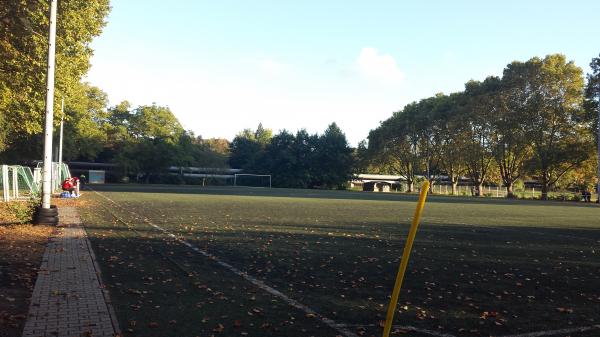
(377, 182)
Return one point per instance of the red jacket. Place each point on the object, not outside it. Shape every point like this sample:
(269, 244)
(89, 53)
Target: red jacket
(67, 184)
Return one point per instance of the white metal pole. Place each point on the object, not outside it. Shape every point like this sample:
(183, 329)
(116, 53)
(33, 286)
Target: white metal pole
(60, 139)
(15, 182)
(5, 185)
(47, 171)
(598, 183)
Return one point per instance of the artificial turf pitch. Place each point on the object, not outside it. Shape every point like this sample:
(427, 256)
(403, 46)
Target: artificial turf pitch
(480, 267)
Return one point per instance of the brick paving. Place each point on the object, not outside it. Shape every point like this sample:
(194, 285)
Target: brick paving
(68, 299)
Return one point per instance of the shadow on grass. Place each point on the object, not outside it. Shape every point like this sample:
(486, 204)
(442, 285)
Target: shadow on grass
(525, 279)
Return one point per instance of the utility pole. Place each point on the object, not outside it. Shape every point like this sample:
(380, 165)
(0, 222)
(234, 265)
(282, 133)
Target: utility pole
(598, 131)
(60, 139)
(47, 171)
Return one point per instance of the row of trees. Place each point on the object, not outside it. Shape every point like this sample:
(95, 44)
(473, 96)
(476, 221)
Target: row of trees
(296, 160)
(534, 122)
(23, 56)
(143, 140)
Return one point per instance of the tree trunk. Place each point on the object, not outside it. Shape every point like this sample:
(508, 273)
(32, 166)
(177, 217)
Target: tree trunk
(509, 189)
(545, 185)
(410, 186)
(545, 189)
(479, 191)
(454, 185)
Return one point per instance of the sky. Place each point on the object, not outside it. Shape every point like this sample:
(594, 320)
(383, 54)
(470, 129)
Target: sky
(223, 66)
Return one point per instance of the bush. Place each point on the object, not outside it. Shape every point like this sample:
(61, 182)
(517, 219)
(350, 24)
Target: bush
(564, 196)
(19, 211)
(518, 186)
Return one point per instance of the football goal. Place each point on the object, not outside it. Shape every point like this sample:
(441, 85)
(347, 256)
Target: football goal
(17, 182)
(252, 180)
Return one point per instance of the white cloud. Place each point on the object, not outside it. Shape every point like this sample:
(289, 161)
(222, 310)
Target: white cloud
(378, 67)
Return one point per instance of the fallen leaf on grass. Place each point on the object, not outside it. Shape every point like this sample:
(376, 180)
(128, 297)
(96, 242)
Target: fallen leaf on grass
(219, 328)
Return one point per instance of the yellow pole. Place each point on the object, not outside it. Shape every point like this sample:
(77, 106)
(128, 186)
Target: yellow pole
(404, 262)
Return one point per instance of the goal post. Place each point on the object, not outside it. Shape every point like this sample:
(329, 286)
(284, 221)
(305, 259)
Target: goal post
(252, 180)
(17, 183)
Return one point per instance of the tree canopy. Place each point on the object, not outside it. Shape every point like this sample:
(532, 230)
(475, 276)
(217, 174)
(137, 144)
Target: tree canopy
(300, 160)
(537, 121)
(23, 56)
(529, 122)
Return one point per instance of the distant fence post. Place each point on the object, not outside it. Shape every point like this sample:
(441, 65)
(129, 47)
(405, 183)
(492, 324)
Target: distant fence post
(37, 176)
(15, 182)
(5, 186)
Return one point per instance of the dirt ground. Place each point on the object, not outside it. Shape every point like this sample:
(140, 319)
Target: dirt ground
(21, 250)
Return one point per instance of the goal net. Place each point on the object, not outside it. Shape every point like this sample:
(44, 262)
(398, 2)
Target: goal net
(252, 180)
(16, 182)
(60, 172)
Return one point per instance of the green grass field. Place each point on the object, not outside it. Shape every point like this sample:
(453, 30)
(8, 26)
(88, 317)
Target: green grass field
(480, 267)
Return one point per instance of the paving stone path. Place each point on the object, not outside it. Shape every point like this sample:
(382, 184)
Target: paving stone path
(68, 299)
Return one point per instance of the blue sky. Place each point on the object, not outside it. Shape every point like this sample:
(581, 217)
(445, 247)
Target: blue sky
(223, 66)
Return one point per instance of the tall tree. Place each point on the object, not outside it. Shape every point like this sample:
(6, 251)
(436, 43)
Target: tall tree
(592, 90)
(452, 140)
(395, 144)
(332, 165)
(247, 148)
(23, 48)
(592, 106)
(479, 108)
(85, 132)
(280, 158)
(510, 145)
(154, 122)
(555, 122)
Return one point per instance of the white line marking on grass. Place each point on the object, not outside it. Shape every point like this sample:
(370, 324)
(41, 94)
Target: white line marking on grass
(556, 332)
(258, 283)
(340, 327)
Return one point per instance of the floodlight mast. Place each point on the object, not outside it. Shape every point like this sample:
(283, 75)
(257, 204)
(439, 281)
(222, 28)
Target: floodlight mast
(598, 131)
(47, 171)
(60, 138)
